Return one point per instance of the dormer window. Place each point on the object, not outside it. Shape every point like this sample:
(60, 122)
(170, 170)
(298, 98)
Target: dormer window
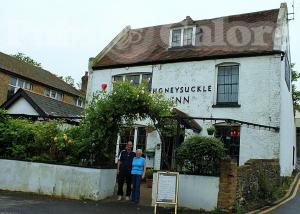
(184, 36)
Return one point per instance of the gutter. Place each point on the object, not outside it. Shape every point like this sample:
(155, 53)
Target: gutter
(189, 59)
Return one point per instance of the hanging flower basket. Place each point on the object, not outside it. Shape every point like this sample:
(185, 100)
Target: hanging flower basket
(211, 130)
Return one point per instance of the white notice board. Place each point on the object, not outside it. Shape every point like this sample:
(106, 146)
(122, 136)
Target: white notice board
(167, 187)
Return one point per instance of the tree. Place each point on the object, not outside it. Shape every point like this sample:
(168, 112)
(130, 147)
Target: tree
(295, 92)
(109, 113)
(27, 59)
(69, 80)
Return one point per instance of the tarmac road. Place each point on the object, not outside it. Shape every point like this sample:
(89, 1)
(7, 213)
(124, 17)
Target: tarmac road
(21, 203)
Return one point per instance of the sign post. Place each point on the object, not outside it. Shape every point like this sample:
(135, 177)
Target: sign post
(166, 189)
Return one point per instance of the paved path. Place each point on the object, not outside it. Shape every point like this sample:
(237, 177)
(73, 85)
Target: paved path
(20, 203)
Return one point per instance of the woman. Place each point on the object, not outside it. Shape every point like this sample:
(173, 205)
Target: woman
(138, 173)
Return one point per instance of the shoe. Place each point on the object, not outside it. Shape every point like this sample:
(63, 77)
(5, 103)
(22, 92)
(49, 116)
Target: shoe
(127, 198)
(119, 198)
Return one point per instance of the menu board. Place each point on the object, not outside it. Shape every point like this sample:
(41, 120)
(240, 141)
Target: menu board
(167, 184)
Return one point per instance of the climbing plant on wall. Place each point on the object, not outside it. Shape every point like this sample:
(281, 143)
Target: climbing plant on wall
(109, 112)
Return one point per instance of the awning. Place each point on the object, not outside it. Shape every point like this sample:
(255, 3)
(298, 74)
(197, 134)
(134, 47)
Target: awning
(188, 123)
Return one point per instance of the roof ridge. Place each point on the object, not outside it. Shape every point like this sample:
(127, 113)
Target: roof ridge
(228, 16)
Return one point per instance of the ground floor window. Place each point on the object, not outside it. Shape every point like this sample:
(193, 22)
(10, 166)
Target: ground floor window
(230, 136)
(136, 135)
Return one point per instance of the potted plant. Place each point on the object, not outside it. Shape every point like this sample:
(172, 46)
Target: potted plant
(211, 130)
(149, 177)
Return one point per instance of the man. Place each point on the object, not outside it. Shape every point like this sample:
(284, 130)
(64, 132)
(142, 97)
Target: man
(124, 170)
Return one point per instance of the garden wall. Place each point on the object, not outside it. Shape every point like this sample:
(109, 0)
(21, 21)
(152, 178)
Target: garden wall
(195, 192)
(57, 180)
(255, 177)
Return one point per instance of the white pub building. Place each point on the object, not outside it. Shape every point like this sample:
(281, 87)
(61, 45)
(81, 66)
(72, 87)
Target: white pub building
(235, 67)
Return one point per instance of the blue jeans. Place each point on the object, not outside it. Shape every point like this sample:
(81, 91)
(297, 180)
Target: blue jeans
(136, 184)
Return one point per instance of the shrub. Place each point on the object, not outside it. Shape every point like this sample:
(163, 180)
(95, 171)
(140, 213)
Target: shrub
(200, 155)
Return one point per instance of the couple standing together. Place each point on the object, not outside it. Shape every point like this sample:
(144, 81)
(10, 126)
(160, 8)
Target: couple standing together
(131, 168)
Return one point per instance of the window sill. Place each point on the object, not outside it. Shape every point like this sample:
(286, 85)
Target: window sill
(181, 47)
(226, 105)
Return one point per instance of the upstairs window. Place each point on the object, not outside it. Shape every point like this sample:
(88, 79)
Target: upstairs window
(135, 79)
(228, 84)
(54, 94)
(181, 37)
(188, 36)
(79, 102)
(16, 83)
(176, 38)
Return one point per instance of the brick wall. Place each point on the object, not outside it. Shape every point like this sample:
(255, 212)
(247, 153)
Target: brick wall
(228, 185)
(68, 99)
(39, 89)
(4, 78)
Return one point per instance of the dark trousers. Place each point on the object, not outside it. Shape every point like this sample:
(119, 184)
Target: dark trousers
(123, 176)
(136, 184)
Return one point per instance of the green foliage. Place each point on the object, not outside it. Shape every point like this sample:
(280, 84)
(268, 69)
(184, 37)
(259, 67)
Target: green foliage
(27, 59)
(69, 80)
(149, 173)
(93, 141)
(108, 113)
(295, 92)
(200, 155)
(211, 129)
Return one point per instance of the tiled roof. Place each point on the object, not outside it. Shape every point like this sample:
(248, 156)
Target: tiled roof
(14, 66)
(45, 106)
(151, 44)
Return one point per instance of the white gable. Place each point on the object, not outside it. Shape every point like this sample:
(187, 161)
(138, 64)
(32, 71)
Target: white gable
(21, 106)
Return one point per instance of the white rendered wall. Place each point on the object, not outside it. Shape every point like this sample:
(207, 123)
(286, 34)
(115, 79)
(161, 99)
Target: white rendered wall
(57, 180)
(21, 106)
(259, 96)
(195, 192)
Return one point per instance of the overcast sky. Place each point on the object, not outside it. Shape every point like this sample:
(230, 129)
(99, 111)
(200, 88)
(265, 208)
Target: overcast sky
(62, 35)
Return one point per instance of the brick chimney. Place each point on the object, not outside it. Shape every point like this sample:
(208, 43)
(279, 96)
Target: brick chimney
(84, 82)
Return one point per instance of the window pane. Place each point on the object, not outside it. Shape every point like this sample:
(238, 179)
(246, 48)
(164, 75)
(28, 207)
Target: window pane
(221, 89)
(135, 79)
(13, 81)
(235, 78)
(52, 94)
(148, 78)
(20, 83)
(47, 92)
(176, 38)
(188, 36)
(221, 79)
(59, 96)
(28, 86)
(227, 88)
(10, 91)
(118, 78)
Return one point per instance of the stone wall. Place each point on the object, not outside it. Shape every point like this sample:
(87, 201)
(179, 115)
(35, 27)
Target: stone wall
(4, 78)
(252, 174)
(246, 184)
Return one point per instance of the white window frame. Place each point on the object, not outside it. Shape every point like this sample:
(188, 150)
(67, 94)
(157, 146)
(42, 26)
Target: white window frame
(77, 101)
(181, 39)
(16, 87)
(225, 64)
(56, 93)
(132, 74)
